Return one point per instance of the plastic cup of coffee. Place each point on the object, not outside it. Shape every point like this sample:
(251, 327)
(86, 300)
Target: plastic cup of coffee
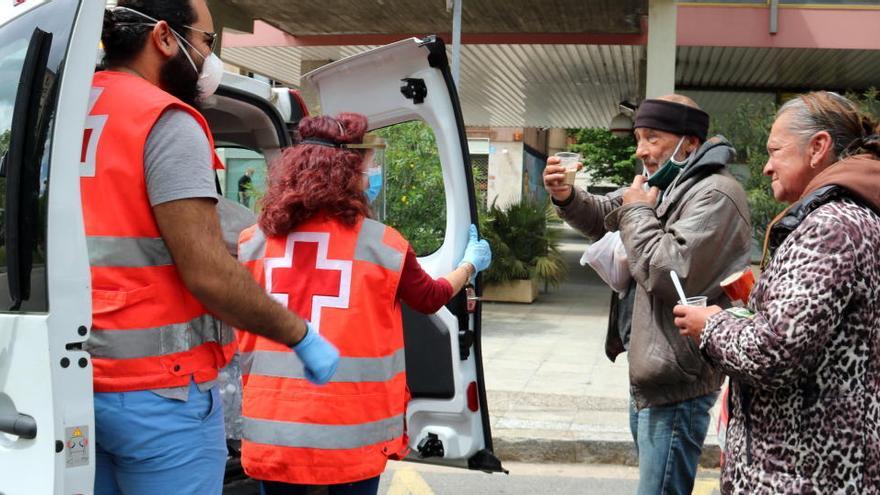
(699, 301)
(569, 161)
(739, 285)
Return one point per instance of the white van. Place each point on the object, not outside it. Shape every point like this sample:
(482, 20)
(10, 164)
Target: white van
(47, 59)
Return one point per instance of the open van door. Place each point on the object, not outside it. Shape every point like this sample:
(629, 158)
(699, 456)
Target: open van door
(47, 58)
(406, 91)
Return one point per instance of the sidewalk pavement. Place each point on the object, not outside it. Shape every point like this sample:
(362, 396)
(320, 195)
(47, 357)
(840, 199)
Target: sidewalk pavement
(553, 394)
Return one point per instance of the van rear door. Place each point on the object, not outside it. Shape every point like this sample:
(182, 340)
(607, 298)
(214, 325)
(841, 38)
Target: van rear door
(47, 58)
(406, 91)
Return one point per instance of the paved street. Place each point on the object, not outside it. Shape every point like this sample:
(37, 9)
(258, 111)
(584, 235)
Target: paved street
(553, 394)
(545, 362)
(524, 479)
(402, 478)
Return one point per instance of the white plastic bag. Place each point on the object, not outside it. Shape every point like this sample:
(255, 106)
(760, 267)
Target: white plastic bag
(608, 257)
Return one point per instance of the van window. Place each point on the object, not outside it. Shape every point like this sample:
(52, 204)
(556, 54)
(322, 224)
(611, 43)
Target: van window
(480, 171)
(12, 56)
(11, 61)
(53, 23)
(414, 199)
(244, 179)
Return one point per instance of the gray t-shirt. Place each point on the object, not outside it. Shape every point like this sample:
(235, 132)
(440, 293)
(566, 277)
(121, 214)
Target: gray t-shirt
(178, 165)
(177, 160)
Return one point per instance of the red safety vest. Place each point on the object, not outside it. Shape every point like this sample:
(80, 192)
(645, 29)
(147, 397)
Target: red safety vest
(148, 330)
(344, 280)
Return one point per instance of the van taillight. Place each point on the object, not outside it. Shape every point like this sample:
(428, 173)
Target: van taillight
(473, 403)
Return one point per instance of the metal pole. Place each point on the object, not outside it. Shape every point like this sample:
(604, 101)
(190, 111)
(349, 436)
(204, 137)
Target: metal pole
(661, 50)
(774, 16)
(456, 40)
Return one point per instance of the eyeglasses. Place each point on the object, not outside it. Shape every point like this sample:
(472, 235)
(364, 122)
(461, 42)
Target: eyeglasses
(210, 37)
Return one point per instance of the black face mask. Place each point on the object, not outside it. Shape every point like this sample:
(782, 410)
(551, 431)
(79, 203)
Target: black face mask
(666, 174)
(178, 78)
(663, 178)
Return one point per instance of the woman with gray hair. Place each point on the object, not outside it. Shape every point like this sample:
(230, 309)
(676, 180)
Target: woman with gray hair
(804, 368)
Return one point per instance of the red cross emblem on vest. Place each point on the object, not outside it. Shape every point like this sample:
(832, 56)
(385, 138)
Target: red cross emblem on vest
(304, 280)
(91, 135)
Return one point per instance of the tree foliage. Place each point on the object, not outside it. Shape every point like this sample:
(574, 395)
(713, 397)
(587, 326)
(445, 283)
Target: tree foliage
(415, 202)
(868, 102)
(747, 128)
(605, 156)
(4, 141)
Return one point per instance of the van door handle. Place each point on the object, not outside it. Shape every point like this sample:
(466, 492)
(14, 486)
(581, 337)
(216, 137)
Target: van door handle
(472, 299)
(19, 424)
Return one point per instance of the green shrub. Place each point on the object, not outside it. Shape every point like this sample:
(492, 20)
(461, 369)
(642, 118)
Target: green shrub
(523, 247)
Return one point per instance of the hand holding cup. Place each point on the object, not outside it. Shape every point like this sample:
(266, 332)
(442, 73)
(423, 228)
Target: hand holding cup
(571, 162)
(691, 319)
(556, 176)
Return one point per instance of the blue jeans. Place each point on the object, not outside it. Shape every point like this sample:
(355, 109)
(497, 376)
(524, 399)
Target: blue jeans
(364, 487)
(669, 440)
(148, 445)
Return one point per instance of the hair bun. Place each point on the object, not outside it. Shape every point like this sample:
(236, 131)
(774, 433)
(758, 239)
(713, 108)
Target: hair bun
(344, 128)
(110, 20)
(871, 144)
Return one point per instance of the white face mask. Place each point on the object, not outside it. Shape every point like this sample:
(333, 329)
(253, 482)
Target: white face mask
(211, 73)
(212, 68)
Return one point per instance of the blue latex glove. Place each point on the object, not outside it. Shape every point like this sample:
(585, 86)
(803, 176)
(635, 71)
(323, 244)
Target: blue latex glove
(477, 253)
(318, 355)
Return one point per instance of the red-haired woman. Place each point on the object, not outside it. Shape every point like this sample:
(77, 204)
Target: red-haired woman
(316, 250)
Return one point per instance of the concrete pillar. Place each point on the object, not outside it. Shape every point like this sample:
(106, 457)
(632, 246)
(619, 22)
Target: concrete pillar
(660, 78)
(556, 140)
(456, 42)
(505, 181)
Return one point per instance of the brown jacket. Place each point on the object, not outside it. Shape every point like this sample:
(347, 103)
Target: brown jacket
(701, 230)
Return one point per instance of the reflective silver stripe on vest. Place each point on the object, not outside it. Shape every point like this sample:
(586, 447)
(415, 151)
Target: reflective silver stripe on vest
(128, 251)
(313, 436)
(351, 369)
(371, 247)
(158, 341)
(254, 248)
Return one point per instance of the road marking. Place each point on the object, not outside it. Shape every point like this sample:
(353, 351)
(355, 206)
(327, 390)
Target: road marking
(407, 481)
(705, 487)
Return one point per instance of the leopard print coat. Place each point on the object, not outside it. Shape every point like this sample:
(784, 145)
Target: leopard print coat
(805, 371)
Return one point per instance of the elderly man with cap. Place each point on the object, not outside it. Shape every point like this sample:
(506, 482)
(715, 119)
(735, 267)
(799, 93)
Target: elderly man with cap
(686, 214)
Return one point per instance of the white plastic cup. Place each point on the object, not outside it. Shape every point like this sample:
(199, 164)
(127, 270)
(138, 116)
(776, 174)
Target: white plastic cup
(569, 161)
(698, 301)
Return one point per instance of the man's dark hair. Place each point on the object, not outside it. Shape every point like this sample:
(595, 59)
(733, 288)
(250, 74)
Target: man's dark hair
(125, 32)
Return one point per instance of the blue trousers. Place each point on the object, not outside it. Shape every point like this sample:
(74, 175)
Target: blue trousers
(149, 445)
(364, 487)
(669, 440)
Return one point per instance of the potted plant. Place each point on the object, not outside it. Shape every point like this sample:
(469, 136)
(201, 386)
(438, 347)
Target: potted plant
(524, 253)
